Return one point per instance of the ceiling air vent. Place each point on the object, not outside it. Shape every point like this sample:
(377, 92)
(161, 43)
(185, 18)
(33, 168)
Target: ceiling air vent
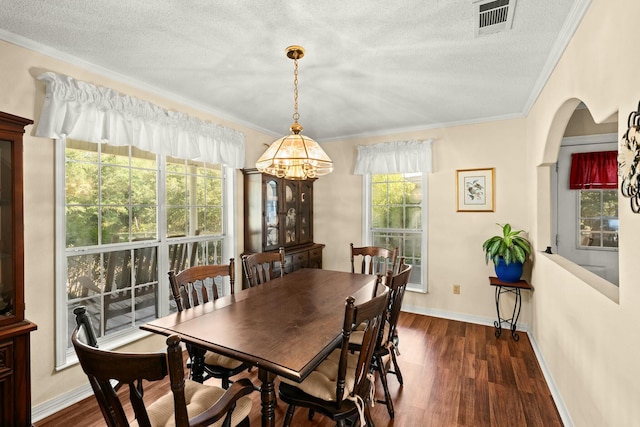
(492, 16)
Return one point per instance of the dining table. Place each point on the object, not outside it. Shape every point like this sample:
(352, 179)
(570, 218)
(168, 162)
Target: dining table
(285, 327)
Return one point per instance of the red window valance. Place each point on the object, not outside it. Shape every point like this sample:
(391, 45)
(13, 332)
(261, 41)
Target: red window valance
(594, 170)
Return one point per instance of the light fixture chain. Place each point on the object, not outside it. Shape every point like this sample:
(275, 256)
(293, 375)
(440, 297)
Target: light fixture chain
(296, 116)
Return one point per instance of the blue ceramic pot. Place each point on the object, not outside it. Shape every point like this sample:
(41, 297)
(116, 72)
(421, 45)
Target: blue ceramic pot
(509, 273)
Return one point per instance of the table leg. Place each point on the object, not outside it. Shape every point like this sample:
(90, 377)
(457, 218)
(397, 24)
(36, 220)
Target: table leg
(498, 323)
(513, 321)
(197, 363)
(516, 314)
(268, 397)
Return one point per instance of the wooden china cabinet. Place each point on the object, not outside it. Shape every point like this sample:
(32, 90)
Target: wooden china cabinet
(15, 376)
(279, 213)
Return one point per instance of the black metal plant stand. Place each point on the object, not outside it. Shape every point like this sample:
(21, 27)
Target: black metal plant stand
(504, 287)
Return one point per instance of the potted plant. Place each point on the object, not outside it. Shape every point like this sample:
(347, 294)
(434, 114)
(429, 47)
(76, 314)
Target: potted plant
(508, 251)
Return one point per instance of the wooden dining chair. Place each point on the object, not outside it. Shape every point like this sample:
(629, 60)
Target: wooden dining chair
(262, 266)
(188, 404)
(195, 286)
(387, 343)
(340, 386)
(373, 259)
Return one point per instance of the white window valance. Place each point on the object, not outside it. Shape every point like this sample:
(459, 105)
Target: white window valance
(394, 157)
(81, 110)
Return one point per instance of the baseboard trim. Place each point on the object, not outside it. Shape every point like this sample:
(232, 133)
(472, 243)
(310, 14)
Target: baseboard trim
(488, 321)
(58, 403)
(553, 389)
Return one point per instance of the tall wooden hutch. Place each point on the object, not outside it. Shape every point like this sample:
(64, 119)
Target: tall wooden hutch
(15, 376)
(279, 213)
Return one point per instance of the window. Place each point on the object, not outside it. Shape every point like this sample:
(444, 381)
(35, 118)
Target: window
(586, 197)
(396, 205)
(395, 200)
(129, 217)
(598, 219)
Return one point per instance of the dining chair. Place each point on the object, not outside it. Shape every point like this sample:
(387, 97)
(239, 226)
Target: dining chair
(387, 343)
(261, 267)
(340, 386)
(373, 259)
(195, 286)
(188, 404)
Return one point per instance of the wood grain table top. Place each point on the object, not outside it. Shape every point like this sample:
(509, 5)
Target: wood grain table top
(285, 326)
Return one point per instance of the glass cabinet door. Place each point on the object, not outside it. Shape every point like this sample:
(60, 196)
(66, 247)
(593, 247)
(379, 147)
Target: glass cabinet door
(290, 213)
(271, 217)
(7, 283)
(305, 213)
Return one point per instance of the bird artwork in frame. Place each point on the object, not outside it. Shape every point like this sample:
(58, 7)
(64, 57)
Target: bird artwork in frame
(475, 190)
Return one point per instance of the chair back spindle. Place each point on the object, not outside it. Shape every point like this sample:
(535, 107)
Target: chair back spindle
(373, 259)
(263, 266)
(199, 285)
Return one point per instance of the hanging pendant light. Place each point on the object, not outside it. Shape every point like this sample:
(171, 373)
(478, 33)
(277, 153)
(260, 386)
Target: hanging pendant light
(295, 156)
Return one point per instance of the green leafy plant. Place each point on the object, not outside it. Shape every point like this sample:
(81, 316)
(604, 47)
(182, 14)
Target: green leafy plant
(509, 246)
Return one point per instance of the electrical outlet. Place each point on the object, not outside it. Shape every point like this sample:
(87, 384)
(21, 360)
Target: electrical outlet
(456, 289)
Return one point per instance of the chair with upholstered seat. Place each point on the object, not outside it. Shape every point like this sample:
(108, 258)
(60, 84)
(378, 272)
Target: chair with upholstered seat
(398, 285)
(373, 259)
(198, 285)
(340, 386)
(263, 266)
(188, 404)
(387, 346)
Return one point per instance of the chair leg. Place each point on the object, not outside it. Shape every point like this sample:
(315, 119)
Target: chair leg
(288, 416)
(368, 418)
(311, 414)
(225, 383)
(383, 379)
(396, 367)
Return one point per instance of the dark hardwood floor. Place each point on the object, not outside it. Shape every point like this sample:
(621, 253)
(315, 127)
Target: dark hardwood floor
(455, 374)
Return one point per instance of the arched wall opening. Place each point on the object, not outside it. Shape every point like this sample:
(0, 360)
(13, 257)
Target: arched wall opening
(573, 125)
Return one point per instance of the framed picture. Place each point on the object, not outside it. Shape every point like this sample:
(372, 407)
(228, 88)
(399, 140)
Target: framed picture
(475, 189)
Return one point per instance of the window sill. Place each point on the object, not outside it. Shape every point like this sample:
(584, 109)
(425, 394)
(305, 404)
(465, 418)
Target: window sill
(601, 285)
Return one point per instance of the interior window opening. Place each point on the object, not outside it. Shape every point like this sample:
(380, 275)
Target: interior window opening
(585, 199)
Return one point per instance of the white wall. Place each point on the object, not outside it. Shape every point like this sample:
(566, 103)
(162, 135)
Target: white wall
(588, 339)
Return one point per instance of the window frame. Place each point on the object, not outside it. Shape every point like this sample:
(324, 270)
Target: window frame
(367, 231)
(65, 356)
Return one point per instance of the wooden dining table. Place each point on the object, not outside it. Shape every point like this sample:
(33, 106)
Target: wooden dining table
(284, 327)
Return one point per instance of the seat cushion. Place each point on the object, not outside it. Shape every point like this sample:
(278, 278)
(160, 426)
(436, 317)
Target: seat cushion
(199, 397)
(322, 381)
(215, 359)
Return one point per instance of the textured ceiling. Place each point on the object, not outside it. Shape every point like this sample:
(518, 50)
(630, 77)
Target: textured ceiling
(370, 67)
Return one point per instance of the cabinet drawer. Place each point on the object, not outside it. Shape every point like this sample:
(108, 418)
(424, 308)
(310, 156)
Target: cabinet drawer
(297, 258)
(6, 356)
(315, 253)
